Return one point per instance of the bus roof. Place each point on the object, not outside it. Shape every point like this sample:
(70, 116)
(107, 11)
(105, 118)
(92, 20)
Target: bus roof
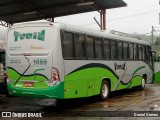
(82, 30)
(103, 34)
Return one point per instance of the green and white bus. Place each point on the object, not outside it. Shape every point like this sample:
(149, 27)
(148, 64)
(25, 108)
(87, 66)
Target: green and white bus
(60, 61)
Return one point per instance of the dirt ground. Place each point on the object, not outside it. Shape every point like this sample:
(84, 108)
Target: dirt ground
(122, 105)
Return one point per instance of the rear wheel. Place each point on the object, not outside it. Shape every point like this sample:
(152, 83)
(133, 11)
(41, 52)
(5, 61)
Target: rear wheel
(104, 93)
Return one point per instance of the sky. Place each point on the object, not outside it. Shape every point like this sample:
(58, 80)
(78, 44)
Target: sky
(138, 17)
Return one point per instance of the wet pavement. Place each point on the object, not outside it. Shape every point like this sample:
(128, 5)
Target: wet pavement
(121, 104)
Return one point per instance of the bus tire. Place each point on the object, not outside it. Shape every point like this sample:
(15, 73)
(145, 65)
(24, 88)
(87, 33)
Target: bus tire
(143, 83)
(104, 92)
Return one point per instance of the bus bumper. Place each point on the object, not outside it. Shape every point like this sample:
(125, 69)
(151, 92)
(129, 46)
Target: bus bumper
(55, 92)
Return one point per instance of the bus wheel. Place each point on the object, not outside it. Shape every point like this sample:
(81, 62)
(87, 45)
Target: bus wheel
(104, 93)
(143, 83)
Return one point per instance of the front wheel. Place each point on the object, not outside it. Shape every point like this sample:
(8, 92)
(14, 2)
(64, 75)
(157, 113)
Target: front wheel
(104, 93)
(143, 83)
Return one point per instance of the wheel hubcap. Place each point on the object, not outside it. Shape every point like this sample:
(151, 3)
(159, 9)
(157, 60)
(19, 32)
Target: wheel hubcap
(143, 82)
(104, 90)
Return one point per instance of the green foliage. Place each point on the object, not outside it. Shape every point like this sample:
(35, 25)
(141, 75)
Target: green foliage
(156, 58)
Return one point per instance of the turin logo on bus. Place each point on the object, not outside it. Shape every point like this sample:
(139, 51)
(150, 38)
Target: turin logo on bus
(36, 35)
(122, 66)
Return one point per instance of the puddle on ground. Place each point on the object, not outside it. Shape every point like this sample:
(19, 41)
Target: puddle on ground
(124, 98)
(116, 100)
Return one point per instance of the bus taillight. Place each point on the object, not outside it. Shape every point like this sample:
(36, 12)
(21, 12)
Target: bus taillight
(55, 76)
(8, 81)
(6, 75)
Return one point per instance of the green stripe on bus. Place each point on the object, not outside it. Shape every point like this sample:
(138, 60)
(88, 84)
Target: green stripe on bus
(135, 81)
(55, 92)
(39, 79)
(93, 65)
(138, 70)
(87, 82)
(14, 75)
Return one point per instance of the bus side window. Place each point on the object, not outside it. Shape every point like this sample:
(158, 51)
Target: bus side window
(146, 54)
(140, 52)
(3, 58)
(150, 60)
(125, 51)
(89, 47)
(107, 51)
(79, 45)
(135, 52)
(143, 52)
(120, 51)
(113, 50)
(131, 53)
(98, 48)
(67, 45)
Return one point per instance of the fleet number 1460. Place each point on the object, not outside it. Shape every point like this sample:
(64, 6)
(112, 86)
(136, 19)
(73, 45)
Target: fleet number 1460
(40, 62)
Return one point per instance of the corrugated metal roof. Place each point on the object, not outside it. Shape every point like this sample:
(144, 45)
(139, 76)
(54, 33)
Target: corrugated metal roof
(13, 11)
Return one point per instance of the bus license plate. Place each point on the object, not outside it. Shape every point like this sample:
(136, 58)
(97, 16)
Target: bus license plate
(28, 84)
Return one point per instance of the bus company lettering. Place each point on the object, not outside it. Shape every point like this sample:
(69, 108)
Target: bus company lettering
(36, 35)
(122, 66)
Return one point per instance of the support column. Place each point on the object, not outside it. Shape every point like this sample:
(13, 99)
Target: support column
(104, 19)
(101, 20)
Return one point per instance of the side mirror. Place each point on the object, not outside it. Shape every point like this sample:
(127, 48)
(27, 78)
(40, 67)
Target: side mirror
(153, 51)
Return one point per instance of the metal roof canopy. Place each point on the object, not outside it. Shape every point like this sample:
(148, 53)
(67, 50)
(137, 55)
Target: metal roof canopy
(14, 11)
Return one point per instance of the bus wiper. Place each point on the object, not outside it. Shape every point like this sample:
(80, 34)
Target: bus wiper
(24, 71)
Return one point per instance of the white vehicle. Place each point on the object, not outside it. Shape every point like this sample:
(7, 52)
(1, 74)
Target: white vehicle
(60, 61)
